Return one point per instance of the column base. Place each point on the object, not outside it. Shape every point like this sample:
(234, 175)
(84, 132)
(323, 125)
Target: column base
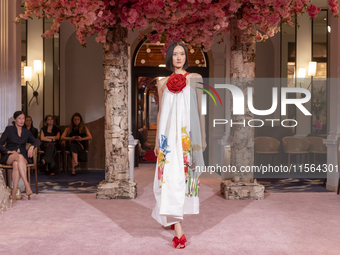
(241, 191)
(331, 187)
(120, 189)
(5, 202)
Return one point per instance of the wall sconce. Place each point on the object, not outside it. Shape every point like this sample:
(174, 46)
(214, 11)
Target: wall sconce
(28, 77)
(312, 69)
(311, 72)
(37, 66)
(301, 75)
(27, 73)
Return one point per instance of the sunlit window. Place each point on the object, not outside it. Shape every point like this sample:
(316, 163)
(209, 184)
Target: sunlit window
(150, 54)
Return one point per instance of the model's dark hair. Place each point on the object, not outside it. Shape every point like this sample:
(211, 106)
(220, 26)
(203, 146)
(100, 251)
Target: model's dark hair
(170, 52)
(46, 117)
(16, 115)
(81, 126)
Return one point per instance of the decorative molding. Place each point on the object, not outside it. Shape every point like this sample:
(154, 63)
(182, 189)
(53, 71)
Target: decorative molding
(3, 63)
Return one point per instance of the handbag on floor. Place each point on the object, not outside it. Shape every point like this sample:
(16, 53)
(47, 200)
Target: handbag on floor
(18, 194)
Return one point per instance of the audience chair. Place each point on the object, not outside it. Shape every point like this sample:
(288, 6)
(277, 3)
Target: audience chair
(60, 161)
(317, 146)
(266, 146)
(7, 169)
(295, 146)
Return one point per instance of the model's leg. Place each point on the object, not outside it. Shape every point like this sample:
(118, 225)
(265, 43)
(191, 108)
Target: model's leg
(50, 169)
(73, 165)
(15, 177)
(13, 160)
(75, 158)
(42, 156)
(179, 232)
(74, 162)
(23, 173)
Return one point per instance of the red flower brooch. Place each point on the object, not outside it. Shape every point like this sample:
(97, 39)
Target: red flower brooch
(176, 82)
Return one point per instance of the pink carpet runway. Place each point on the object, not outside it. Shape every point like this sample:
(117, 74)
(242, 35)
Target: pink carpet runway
(282, 223)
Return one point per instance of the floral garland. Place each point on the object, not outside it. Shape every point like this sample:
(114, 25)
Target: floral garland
(195, 22)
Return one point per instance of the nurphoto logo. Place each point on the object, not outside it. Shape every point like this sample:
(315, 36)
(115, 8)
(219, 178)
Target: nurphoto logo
(239, 102)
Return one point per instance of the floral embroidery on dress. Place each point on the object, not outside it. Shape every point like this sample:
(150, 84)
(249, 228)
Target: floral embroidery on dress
(162, 152)
(191, 179)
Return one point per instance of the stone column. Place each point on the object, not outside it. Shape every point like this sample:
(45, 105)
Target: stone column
(132, 141)
(216, 155)
(334, 99)
(242, 71)
(5, 202)
(10, 58)
(117, 183)
(303, 56)
(224, 142)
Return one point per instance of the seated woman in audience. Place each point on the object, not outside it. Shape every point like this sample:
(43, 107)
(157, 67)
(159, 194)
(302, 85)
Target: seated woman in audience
(141, 152)
(49, 136)
(15, 153)
(29, 125)
(76, 133)
(145, 145)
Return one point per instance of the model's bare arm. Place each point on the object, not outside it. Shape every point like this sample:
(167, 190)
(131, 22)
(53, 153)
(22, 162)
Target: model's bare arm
(160, 88)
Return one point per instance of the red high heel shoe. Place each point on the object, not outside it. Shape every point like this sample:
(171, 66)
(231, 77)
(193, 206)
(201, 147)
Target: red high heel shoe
(176, 241)
(173, 226)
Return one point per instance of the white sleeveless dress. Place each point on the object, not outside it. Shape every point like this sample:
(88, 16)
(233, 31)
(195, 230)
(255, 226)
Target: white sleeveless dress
(176, 183)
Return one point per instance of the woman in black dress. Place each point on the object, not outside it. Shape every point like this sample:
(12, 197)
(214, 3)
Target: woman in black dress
(15, 153)
(76, 133)
(49, 136)
(29, 125)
